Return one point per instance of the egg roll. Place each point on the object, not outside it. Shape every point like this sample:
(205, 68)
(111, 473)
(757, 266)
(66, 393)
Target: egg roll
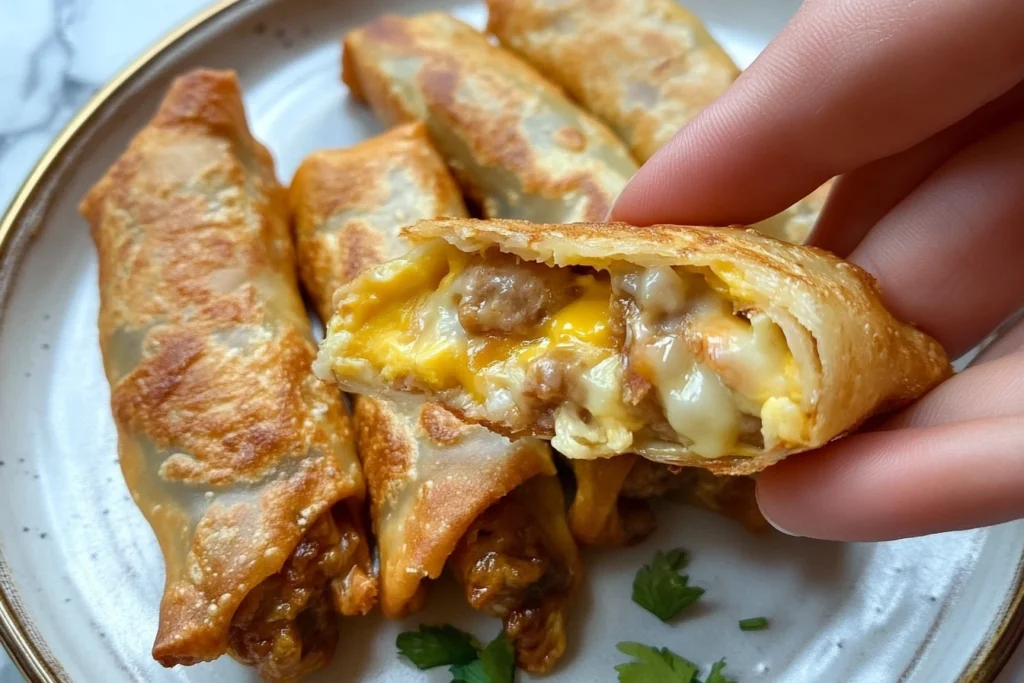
(718, 348)
(516, 144)
(442, 492)
(239, 457)
(644, 67)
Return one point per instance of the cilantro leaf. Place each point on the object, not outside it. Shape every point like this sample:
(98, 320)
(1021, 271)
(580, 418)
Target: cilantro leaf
(473, 672)
(499, 659)
(496, 664)
(661, 590)
(437, 646)
(677, 558)
(754, 624)
(716, 675)
(654, 665)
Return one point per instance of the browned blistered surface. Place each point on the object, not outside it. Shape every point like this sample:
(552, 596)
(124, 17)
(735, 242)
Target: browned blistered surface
(229, 444)
(645, 67)
(518, 146)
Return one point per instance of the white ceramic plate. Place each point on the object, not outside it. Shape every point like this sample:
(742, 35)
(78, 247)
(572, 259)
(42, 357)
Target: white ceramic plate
(81, 574)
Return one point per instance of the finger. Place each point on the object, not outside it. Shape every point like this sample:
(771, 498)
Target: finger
(895, 484)
(846, 82)
(948, 256)
(863, 196)
(993, 389)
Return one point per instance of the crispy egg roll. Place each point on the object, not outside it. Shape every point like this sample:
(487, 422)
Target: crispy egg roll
(441, 491)
(712, 347)
(240, 459)
(644, 67)
(516, 144)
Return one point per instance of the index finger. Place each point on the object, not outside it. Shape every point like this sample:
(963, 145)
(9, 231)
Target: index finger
(846, 82)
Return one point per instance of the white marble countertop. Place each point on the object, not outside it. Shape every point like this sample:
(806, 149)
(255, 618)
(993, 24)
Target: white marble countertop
(53, 55)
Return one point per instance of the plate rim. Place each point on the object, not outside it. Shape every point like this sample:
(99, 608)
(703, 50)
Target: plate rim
(28, 649)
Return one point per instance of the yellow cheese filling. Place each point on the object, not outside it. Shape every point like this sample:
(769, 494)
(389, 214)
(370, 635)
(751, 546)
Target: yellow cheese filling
(714, 372)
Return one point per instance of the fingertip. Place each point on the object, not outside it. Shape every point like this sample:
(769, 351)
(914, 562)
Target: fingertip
(766, 504)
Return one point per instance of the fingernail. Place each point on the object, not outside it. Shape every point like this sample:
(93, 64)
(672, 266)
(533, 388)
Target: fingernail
(775, 525)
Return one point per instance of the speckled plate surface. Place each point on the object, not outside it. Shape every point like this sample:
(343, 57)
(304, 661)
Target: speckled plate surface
(81, 574)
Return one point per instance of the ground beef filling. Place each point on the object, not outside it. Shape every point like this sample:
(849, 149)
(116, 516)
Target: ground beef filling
(509, 568)
(510, 298)
(287, 626)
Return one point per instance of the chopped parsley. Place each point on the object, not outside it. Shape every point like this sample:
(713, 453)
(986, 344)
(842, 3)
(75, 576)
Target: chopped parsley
(659, 587)
(496, 664)
(433, 646)
(468, 662)
(754, 624)
(661, 665)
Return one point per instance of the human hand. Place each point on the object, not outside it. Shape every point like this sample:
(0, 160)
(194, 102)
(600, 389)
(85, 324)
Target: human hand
(919, 107)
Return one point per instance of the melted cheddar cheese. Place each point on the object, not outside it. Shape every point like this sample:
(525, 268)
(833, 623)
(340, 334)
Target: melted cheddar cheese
(714, 372)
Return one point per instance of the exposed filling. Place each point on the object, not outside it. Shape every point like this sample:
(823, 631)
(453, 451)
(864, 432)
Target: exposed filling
(599, 514)
(626, 359)
(287, 626)
(732, 497)
(512, 565)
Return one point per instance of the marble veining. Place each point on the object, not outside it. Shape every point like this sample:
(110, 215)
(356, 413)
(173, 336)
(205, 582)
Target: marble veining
(53, 55)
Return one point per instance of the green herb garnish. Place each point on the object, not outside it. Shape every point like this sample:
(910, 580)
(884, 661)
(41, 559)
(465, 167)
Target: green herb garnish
(716, 675)
(659, 587)
(754, 624)
(496, 664)
(654, 665)
(661, 665)
(437, 646)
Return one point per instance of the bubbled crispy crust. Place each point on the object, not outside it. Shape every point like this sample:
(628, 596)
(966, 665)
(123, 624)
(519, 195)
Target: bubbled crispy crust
(518, 146)
(350, 204)
(230, 446)
(860, 360)
(645, 67)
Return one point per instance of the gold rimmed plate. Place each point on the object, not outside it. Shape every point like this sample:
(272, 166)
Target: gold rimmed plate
(81, 574)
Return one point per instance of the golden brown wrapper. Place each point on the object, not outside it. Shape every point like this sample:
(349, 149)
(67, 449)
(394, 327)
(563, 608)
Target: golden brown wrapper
(430, 475)
(853, 357)
(349, 205)
(517, 145)
(645, 67)
(228, 443)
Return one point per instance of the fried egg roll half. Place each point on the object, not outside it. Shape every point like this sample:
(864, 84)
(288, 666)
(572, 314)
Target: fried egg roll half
(517, 145)
(713, 347)
(442, 491)
(241, 460)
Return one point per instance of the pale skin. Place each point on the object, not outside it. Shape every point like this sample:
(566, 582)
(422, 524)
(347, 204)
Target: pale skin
(919, 106)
